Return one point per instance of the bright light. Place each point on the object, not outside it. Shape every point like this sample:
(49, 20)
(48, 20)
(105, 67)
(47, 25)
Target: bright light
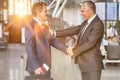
(19, 8)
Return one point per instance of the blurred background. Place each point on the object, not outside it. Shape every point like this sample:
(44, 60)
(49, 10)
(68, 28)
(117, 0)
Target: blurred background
(15, 14)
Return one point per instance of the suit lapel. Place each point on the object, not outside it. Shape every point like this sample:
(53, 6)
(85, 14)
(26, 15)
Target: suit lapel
(80, 32)
(86, 32)
(89, 27)
(79, 35)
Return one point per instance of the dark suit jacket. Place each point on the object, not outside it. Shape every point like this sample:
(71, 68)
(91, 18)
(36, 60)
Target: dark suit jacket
(38, 41)
(87, 49)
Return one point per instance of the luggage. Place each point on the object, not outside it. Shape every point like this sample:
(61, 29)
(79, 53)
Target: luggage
(37, 77)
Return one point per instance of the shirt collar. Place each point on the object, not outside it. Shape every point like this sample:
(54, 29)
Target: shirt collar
(90, 20)
(37, 20)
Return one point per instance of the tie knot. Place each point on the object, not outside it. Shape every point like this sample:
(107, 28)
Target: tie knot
(86, 23)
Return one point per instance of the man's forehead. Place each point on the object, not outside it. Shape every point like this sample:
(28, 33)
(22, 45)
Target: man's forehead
(82, 5)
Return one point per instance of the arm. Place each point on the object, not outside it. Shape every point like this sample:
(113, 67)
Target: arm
(30, 47)
(59, 45)
(53, 41)
(68, 32)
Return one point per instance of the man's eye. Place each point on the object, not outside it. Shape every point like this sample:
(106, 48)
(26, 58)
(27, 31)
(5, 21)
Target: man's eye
(81, 11)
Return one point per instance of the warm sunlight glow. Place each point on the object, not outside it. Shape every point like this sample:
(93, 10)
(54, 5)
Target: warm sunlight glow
(19, 8)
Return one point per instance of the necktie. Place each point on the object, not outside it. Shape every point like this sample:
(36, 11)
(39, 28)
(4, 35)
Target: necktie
(80, 35)
(83, 30)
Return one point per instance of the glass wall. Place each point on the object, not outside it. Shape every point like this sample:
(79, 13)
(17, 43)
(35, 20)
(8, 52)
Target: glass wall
(20, 7)
(109, 12)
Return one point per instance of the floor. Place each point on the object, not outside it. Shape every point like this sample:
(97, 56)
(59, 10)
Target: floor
(13, 61)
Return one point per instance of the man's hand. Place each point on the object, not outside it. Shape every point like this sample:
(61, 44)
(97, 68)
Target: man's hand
(38, 71)
(69, 51)
(52, 32)
(73, 56)
(42, 70)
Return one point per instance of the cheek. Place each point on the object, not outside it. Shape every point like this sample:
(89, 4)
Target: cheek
(82, 14)
(44, 14)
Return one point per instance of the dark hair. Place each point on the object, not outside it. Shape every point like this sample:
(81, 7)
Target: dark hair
(91, 5)
(37, 7)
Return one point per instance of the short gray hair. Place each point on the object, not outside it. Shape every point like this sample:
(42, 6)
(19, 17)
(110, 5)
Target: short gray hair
(90, 5)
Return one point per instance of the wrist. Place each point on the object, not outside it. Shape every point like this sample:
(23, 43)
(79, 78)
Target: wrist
(44, 68)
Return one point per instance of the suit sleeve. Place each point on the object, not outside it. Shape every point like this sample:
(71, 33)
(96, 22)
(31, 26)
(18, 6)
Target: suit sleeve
(68, 32)
(95, 36)
(56, 43)
(30, 47)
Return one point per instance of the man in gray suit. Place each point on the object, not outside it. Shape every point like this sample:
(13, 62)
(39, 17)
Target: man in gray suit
(86, 51)
(38, 41)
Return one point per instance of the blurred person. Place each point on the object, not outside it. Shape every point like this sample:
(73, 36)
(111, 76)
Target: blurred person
(113, 40)
(109, 39)
(87, 50)
(38, 42)
(112, 30)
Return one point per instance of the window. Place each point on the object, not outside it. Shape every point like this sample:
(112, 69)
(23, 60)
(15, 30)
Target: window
(20, 7)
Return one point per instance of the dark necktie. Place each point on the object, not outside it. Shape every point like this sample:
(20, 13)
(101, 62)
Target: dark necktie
(83, 30)
(80, 35)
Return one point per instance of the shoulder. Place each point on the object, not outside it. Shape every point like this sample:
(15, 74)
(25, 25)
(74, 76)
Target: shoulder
(30, 23)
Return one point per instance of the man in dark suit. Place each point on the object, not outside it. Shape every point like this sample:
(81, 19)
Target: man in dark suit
(38, 41)
(86, 51)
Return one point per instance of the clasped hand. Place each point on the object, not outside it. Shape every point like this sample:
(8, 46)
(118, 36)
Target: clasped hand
(70, 51)
(73, 56)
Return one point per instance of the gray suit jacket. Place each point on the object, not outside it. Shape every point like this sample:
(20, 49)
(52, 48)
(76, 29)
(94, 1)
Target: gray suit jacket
(38, 42)
(87, 51)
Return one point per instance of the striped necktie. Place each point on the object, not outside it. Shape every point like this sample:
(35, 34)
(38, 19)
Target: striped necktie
(83, 29)
(80, 35)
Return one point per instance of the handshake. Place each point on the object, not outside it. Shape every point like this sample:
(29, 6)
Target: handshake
(70, 51)
(73, 55)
